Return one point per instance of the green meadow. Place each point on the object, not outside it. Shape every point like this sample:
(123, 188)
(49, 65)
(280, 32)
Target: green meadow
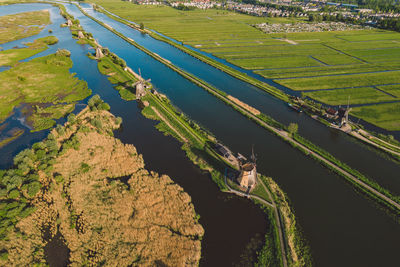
(386, 116)
(361, 95)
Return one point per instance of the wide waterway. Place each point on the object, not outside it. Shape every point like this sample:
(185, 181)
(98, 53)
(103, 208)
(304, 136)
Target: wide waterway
(221, 214)
(343, 228)
(339, 144)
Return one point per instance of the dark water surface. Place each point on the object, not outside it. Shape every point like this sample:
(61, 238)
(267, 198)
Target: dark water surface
(221, 214)
(339, 144)
(342, 227)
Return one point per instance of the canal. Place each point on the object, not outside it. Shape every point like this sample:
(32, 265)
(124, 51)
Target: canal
(339, 144)
(342, 227)
(220, 214)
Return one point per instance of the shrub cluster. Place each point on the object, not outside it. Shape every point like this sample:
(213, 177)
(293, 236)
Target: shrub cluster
(96, 103)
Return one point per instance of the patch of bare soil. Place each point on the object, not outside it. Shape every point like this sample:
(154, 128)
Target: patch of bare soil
(103, 221)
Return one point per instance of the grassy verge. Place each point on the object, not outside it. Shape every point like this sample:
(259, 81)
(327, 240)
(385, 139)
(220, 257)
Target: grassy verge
(349, 170)
(235, 73)
(298, 251)
(122, 79)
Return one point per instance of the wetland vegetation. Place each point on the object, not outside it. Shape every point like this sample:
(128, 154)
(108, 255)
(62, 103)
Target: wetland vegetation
(64, 187)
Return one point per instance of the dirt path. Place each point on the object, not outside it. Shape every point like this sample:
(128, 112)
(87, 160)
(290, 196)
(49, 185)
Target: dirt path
(168, 124)
(289, 41)
(284, 135)
(365, 139)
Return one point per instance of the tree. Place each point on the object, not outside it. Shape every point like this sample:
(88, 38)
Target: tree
(141, 25)
(292, 128)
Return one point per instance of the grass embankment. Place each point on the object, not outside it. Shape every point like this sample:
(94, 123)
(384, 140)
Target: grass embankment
(22, 25)
(107, 211)
(229, 36)
(110, 64)
(39, 84)
(235, 73)
(268, 123)
(114, 68)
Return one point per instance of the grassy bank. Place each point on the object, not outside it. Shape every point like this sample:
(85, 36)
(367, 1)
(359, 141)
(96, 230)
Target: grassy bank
(38, 83)
(224, 35)
(262, 119)
(22, 25)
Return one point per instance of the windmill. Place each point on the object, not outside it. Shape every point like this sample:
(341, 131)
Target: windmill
(140, 86)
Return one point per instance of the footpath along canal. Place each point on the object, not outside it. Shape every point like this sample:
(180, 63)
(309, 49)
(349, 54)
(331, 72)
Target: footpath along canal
(221, 214)
(343, 228)
(339, 144)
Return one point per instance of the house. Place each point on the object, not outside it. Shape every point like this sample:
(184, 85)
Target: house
(223, 150)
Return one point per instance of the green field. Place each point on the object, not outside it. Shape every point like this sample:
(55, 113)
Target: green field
(362, 95)
(342, 81)
(316, 60)
(386, 116)
(21, 25)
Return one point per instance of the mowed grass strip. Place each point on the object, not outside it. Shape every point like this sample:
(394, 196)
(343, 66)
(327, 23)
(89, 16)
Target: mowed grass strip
(386, 116)
(362, 95)
(337, 59)
(22, 25)
(341, 81)
(391, 89)
(371, 37)
(378, 55)
(328, 70)
(275, 62)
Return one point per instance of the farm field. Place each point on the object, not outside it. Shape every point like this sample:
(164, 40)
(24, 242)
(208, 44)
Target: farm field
(342, 81)
(361, 95)
(303, 61)
(386, 116)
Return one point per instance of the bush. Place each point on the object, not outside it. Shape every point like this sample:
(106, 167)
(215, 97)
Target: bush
(13, 194)
(85, 167)
(60, 129)
(38, 145)
(104, 106)
(33, 188)
(118, 120)
(72, 118)
(94, 101)
(97, 123)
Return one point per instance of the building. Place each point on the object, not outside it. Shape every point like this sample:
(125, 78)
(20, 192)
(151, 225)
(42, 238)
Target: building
(223, 150)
